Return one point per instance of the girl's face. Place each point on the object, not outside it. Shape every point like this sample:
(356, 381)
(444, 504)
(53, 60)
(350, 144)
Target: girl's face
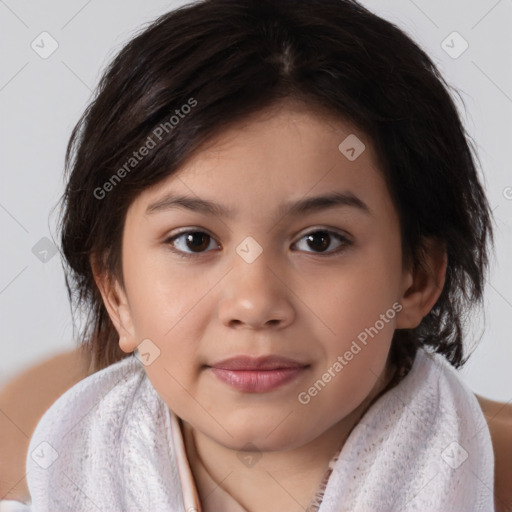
(252, 263)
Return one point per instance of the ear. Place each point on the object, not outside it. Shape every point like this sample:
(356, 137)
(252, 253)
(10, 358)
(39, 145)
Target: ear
(422, 285)
(116, 303)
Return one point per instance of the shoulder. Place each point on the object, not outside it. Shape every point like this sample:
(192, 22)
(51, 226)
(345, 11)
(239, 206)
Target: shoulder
(499, 420)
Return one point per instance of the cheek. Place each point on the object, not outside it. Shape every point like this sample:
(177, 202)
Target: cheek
(353, 360)
(353, 296)
(160, 297)
(358, 307)
(165, 311)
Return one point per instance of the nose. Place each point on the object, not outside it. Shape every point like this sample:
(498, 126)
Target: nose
(256, 296)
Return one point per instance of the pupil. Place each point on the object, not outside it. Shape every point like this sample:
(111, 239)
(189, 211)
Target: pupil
(324, 239)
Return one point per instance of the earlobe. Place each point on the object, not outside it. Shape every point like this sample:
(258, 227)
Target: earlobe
(116, 304)
(423, 285)
(127, 339)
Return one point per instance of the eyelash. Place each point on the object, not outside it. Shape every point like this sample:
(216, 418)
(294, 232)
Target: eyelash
(345, 243)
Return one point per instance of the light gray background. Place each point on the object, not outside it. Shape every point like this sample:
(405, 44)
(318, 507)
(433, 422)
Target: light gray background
(41, 100)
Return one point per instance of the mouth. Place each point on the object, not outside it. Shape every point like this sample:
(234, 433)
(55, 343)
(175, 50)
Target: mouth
(257, 375)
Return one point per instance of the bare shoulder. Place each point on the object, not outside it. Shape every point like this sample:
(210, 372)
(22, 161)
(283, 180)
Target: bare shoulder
(23, 400)
(499, 420)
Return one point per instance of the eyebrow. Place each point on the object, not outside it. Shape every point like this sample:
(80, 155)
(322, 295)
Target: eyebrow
(308, 205)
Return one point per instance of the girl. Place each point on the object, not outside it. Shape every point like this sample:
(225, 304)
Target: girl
(274, 218)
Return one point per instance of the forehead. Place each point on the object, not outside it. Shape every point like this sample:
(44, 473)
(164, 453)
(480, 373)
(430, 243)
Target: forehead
(277, 156)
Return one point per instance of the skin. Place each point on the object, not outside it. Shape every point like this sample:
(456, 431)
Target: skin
(292, 300)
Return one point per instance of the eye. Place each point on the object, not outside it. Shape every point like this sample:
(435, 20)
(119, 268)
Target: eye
(196, 241)
(320, 240)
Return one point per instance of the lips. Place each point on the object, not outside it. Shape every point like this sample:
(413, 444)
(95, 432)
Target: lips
(257, 363)
(257, 375)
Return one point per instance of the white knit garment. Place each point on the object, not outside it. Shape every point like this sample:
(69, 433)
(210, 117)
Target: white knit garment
(106, 445)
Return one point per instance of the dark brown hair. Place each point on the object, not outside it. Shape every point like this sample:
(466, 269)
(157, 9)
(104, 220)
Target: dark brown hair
(226, 59)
